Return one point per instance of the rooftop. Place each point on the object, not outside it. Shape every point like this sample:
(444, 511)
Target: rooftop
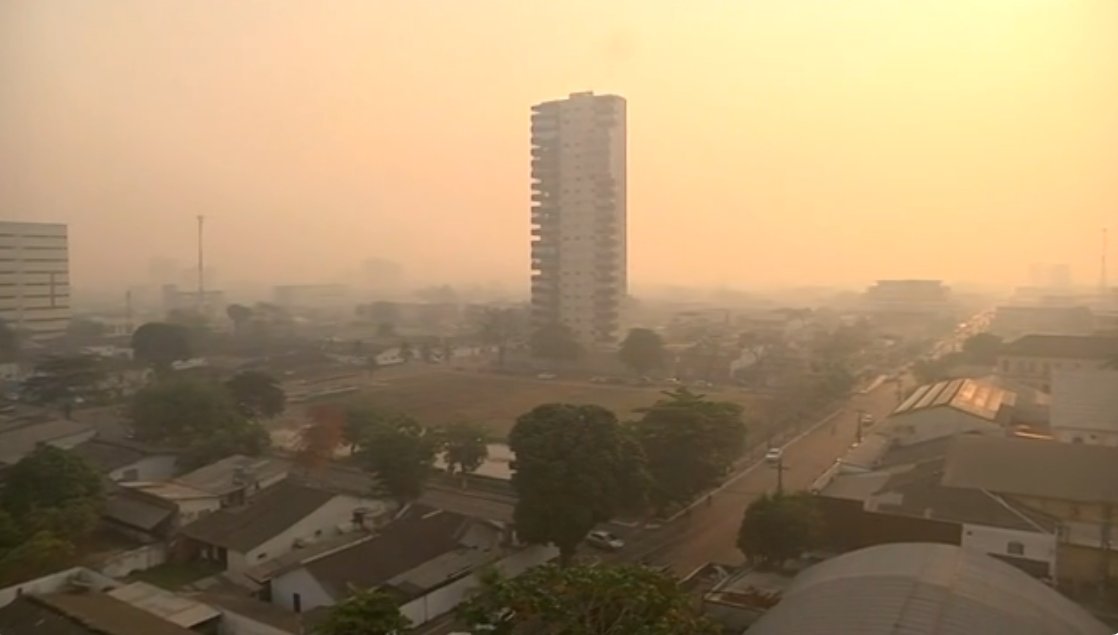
(262, 518)
(176, 609)
(922, 589)
(252, 608)
(168, 490)
(233, 473)
(968, 395)
(1062, 347)
(19, 439)
(137, 511)
(421, 535)
(1085, 400)
(81, 614)
(1030, 467)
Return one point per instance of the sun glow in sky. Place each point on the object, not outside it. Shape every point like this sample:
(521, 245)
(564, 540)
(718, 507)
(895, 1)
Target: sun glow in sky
(770, 141)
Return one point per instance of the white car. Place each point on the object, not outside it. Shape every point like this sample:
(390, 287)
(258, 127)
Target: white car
(604, 540)
(774, 455)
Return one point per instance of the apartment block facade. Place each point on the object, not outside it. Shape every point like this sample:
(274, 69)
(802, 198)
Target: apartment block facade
(35, 278)
(579, 269)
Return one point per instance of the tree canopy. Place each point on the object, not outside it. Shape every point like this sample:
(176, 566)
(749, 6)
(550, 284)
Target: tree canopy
(319, 439)
(575, 467)
(555, 342)
(160, 344)
(196, 416)
(983, 348)
(63, 378)
(257, 394)
(689, 443)
(366, 612)
(400, 451)
(642, 350)
(464, 446)
(584, 600)
(497, 328)
(777, 527)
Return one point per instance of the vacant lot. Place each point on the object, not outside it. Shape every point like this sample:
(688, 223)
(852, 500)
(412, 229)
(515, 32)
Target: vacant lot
(439, 397)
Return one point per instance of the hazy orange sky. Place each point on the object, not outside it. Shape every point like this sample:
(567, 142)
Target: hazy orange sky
(770, 141)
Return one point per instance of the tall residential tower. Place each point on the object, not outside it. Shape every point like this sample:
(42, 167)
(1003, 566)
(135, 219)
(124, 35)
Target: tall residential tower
(578, 215)
(34, 278)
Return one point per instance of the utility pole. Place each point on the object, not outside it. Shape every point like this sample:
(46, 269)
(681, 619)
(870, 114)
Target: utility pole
(201, 304)
(858, 429)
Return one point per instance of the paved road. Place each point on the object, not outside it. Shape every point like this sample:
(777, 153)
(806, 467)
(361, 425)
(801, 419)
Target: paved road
(709, 532)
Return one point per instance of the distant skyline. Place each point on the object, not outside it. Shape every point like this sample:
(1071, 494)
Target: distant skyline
(770, 142)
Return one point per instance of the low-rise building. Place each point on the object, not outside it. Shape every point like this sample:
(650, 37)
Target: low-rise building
(273, 523)
(1013, 321)
(1073, 483)
(81, 613)
(1032, 359)
(922, 589)
(20, 438)
(237, 478)
(127, 461)
(947, 408)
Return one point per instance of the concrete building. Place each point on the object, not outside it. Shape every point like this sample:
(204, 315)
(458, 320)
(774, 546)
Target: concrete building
(1032, 359)
(922, 297)
(311, 296)
(579, 266)
(35, 278)
(1085, 406)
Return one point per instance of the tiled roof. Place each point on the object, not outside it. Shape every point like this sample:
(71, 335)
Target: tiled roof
(262, 518)
(922, 589)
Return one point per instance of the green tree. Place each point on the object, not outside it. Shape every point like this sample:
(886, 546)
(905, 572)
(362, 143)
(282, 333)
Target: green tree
(777, 527)
(689, 442)
(62, 379)
(584, 600)
(642, 351)
(366, 612)
(498, 328)
(465, 446)
(400, 452)
(9, 342)
(575, 467)
(240, 315)
(983, 348)
(257, 394)
(40, 553)
(85, 330)
(198, 417)
(49, 478)
(160, 344)
(555, 342)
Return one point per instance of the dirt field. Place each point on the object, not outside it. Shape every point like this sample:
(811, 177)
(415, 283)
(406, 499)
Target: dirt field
(439, 397)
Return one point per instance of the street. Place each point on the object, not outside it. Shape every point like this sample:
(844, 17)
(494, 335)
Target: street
(709, 531)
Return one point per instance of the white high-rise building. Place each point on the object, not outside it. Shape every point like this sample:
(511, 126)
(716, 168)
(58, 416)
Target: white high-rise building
(34, 278)
(578, 215)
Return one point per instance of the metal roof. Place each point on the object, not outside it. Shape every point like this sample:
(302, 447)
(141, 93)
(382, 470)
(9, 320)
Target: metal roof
(977, 398)
(922, 589)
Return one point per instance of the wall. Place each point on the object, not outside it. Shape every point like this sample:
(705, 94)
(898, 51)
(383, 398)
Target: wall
(191, 509)
(444, 599)
(237, 624)
(1090, 437)
(124, 564)
(311, 594)
(323, 522)
(936, 423)
(1038, 546)
(1037, 371)
(849, 527)
(55, 582)
(159, 467)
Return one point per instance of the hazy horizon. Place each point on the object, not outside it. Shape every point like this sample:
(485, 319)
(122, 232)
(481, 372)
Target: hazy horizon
(770, 142)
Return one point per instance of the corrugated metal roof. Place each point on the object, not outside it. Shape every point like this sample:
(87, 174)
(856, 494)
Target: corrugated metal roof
(978, 398)
(922, 589)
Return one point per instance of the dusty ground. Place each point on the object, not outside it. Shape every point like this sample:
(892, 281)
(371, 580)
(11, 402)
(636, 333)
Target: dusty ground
(438, 396)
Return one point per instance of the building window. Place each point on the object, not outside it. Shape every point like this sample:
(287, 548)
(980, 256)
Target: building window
(1015, 548)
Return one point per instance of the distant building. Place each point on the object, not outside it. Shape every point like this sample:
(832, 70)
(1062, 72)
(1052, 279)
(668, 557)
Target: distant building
(35, 278)
(311, 296)
(922, 297)
(922, 589)
(176, 299)
(578, 217)
(1014, 321)
(1032, 359)
(947, 408)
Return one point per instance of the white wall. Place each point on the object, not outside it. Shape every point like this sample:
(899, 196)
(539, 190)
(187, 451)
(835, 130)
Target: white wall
(237, 624)
(159, 467)
(311, 594)
(1089, 437)
(323, 522)
(55, 582)
(995, 541)
(126, 563)
(191, 509)
(935, 423)
(444, 599)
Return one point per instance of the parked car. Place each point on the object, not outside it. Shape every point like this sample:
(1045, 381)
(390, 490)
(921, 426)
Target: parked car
(774, 455)
(602, 539)
(546, 376)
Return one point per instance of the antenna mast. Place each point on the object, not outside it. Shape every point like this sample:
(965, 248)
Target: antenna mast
(201, 274)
